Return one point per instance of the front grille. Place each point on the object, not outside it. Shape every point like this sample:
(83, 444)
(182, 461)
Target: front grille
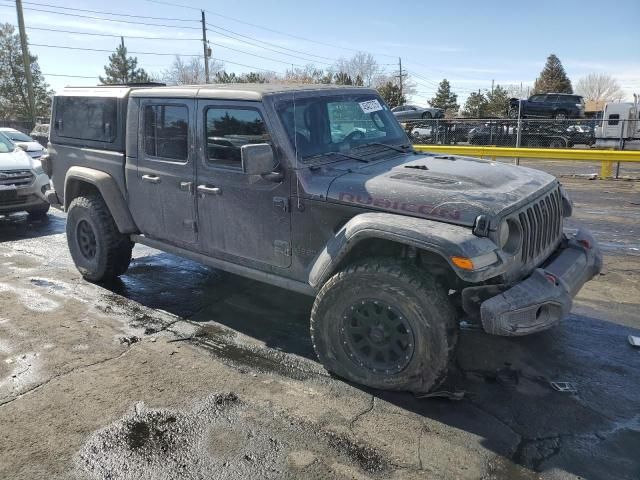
(541, 224)
(18, 178)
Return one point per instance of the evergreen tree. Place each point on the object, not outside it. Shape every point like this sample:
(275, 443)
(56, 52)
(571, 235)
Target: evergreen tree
(553, 78)
(14, 101)
(497, 102)
(122, 69)
(476, 105)
(445, 98)
(342, 78)
(390, 92)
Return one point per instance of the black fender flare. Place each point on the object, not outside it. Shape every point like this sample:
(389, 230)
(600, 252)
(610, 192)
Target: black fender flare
(441, 238)
(109, 190)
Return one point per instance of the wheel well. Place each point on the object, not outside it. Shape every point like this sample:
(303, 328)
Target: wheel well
(430, 262)
(76, 188)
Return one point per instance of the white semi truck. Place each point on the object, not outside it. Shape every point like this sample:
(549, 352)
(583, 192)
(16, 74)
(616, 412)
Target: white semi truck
(620, 127)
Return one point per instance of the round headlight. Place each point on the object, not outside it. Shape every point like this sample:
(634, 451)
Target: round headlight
(503, 234)
(510, 236)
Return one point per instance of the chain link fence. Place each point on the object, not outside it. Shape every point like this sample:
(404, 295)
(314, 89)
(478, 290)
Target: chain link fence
(533, 133)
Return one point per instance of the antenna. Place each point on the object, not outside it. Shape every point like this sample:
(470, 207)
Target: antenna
(295, 147)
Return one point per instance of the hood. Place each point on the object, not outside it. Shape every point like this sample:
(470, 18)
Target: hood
(440, 187)
(30, 146)
(17, 160)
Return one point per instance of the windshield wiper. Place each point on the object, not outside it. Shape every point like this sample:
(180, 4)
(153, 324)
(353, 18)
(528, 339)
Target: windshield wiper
(345, 155)
(397, 148)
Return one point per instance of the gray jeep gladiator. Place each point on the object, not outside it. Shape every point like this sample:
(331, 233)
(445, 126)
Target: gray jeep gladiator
(317, 189)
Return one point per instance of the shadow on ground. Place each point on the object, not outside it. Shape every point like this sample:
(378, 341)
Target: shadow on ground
(20, 226)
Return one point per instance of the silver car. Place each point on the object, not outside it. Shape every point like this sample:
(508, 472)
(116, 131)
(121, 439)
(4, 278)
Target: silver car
(411, 112)
(23, 183)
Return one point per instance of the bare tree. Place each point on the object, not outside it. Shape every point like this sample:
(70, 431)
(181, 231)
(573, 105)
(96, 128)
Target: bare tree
(361, 65)
(190, 72)
(599, 87)
(307, 74)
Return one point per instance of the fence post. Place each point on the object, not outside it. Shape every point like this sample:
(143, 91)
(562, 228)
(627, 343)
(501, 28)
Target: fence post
(519, 131)
(620, 146)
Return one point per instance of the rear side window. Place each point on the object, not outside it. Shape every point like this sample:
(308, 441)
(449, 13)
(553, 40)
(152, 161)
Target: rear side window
(86, 118)
(614, 119)
(228, 129)
(166, 131)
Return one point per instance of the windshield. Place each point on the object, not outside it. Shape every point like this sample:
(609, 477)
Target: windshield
(338, 124)
(18, 136)
(5, 144)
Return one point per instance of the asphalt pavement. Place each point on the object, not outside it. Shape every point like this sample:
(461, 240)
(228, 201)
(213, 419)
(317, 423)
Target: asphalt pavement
(181, 371)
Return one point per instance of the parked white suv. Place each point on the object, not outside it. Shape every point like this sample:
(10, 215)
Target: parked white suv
(23, 184)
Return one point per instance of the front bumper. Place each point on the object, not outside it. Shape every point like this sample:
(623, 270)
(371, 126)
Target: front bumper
(545, 297)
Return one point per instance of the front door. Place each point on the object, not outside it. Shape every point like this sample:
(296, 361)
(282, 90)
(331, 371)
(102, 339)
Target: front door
(163, 201)
(243, 217)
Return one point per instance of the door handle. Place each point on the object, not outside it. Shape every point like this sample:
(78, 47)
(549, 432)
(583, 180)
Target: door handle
(151, 178)
(186, 187)
(207, 190)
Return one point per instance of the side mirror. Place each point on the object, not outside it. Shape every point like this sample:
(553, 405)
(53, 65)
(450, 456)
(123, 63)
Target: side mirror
(257, 159)
(21, 147)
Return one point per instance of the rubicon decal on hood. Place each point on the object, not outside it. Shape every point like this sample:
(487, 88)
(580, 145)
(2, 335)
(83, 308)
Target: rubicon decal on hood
(424, 209)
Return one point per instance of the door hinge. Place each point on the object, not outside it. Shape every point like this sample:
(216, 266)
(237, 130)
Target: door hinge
(282, 247)
(281, 203)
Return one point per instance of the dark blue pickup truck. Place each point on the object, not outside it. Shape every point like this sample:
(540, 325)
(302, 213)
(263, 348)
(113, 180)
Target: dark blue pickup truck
(548, 105)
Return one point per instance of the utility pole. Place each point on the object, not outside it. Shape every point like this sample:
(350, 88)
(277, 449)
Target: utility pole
(26, 61)
(492, 82)
(400, 76)
(205, 47)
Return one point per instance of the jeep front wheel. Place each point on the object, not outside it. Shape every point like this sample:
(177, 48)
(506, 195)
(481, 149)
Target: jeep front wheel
(99, 251)
(386, 325)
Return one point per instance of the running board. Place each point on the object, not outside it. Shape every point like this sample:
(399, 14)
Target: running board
(259, 275)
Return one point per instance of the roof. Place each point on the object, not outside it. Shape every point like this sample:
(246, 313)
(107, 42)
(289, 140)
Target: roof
(230, 91)
(237, 91)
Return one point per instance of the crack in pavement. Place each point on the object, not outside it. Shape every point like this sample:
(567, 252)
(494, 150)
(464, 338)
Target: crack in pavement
(363, 413)
(61, 375)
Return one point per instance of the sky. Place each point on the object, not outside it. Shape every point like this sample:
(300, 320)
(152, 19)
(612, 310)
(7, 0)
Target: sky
(469, 42)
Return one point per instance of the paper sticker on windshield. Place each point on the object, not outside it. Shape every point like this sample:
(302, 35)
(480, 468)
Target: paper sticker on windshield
(370, 106)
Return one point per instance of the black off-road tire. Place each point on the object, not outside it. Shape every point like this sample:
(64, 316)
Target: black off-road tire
(112, 249)
(419, 299)
(40, 211)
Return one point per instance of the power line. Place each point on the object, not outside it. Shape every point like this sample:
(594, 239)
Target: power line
(264, 28)
(104, 19)
(102, 12)
(65, 47)
(267, 43)
(112, 35)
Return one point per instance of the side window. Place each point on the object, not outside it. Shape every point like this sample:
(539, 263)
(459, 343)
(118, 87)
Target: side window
(228, 129)
(553, 98)
(614, 119)
(166, 131)
(86, 118)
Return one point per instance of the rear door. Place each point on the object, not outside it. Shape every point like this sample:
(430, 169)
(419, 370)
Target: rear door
(537, 106)
(162, 199)
(240, 216)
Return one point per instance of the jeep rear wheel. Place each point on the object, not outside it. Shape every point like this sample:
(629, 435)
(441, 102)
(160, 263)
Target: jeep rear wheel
(384, 324)
(99, 251)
